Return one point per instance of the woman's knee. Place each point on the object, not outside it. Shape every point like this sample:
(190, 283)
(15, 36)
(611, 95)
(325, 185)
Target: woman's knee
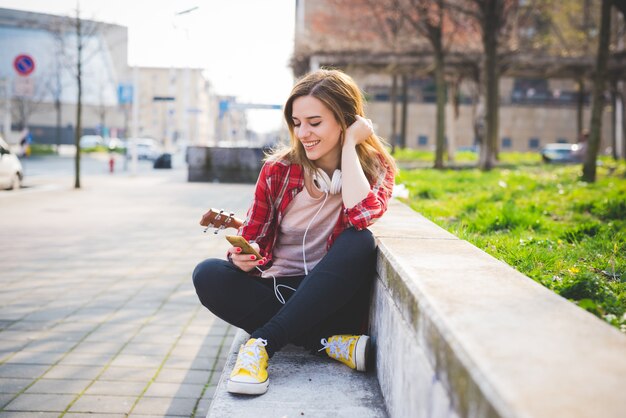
(361, 241)
(208, 276)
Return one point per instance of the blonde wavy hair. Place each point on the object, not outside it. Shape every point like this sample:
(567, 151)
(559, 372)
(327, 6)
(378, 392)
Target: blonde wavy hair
(342, 96)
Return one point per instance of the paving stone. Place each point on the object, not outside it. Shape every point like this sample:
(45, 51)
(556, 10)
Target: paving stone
(58, 386)
(130, 360)
(73, 372)
(103, 404)
(200, 363)
(24, 371)
(20, 335)
(116, 388)
(50, 345)
(5, 398)
(103, 347)
(147, 349)
(49, 314)
(25, 325)
(35, 357)
(86, 359)
(174, 390)
(28, 415)
(132, 374)
(165, 406)
(13, 385)
(183, 376)
(40, 403)
(9, 346)
(203, 406)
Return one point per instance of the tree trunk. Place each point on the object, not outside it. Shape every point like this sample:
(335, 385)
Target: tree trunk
(394, 116)
(59, 114)
(452, 113)
(614, 127)
(623, 113)
(589, 167)
(580, 107)
(404, 111)
(440, 85)
(491, 79)
(79, 104)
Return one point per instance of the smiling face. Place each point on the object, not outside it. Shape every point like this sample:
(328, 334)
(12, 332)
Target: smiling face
(318, 131)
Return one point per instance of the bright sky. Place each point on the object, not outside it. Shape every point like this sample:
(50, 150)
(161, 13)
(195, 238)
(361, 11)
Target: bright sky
(244, 45)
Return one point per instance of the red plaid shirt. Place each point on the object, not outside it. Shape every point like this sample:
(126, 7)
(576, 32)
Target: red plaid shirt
(280, 181)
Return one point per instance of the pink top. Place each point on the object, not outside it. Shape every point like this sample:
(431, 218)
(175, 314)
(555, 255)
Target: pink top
(288, 259)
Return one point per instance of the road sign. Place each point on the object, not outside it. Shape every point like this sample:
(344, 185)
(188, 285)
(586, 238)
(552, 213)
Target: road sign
(124, 93)
(24, 65)
(24, 87)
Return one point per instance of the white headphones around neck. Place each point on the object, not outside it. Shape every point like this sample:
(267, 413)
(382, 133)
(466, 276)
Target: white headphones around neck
(325, 184)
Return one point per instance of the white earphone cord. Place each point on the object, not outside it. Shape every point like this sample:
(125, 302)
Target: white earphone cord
(279, 295)
(306, 270)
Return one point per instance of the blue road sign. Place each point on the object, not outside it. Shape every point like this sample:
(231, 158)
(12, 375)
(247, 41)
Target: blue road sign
(24, 65)
(125, 93)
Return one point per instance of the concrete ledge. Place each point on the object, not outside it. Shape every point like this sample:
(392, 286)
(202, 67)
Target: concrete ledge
(460, 333)
(301, 384)
(234, 165)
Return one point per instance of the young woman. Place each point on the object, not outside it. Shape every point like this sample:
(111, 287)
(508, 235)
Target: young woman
(312, 205)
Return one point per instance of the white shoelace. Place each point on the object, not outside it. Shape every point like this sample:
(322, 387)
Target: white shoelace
(250, 356)
(337, 347)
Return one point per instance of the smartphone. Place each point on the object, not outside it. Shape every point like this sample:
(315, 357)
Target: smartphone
(241, 242)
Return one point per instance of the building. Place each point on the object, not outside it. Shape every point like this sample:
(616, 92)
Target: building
(45, 100)
(534, 110)
(175, 105)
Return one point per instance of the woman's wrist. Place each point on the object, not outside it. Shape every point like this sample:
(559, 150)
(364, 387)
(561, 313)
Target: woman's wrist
(349, 142)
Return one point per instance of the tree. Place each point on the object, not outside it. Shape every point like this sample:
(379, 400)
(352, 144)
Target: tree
(597, 103)
(375, 25)
(28, 102)
(55, 81)
(427, 17)
(493, 19)
(74, 37)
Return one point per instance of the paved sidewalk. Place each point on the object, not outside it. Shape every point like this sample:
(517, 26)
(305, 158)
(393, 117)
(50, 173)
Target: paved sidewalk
(98, 314)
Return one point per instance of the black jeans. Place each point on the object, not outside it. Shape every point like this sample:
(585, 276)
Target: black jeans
(333, 299)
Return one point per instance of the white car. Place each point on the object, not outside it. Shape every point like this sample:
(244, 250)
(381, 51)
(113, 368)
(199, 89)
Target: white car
(11, 172)
(146, 148)
(90, 141)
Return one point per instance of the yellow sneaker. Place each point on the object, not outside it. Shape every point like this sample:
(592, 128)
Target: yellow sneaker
(351, 350)
(249, 376)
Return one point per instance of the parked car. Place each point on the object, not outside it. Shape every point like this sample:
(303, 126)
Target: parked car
(11, 172)
(91, 141)
(146, 148)
(116, 144)
(163, 161)
(560, 153)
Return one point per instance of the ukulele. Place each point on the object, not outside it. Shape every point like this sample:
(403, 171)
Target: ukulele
(219, 220)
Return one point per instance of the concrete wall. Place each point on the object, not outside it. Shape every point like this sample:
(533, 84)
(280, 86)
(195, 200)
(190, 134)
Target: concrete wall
(461, 334)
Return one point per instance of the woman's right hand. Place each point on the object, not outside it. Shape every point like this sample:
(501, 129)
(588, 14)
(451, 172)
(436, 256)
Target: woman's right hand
(245, 262)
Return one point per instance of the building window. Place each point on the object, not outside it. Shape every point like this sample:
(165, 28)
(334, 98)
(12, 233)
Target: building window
(533, 143)
(422, 140)
(506, 142)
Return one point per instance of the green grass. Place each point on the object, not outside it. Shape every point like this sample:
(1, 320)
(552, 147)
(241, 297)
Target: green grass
(42, 149)
(463, 157)
(541, 219)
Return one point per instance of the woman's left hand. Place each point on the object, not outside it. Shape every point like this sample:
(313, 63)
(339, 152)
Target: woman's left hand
(359, 131)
